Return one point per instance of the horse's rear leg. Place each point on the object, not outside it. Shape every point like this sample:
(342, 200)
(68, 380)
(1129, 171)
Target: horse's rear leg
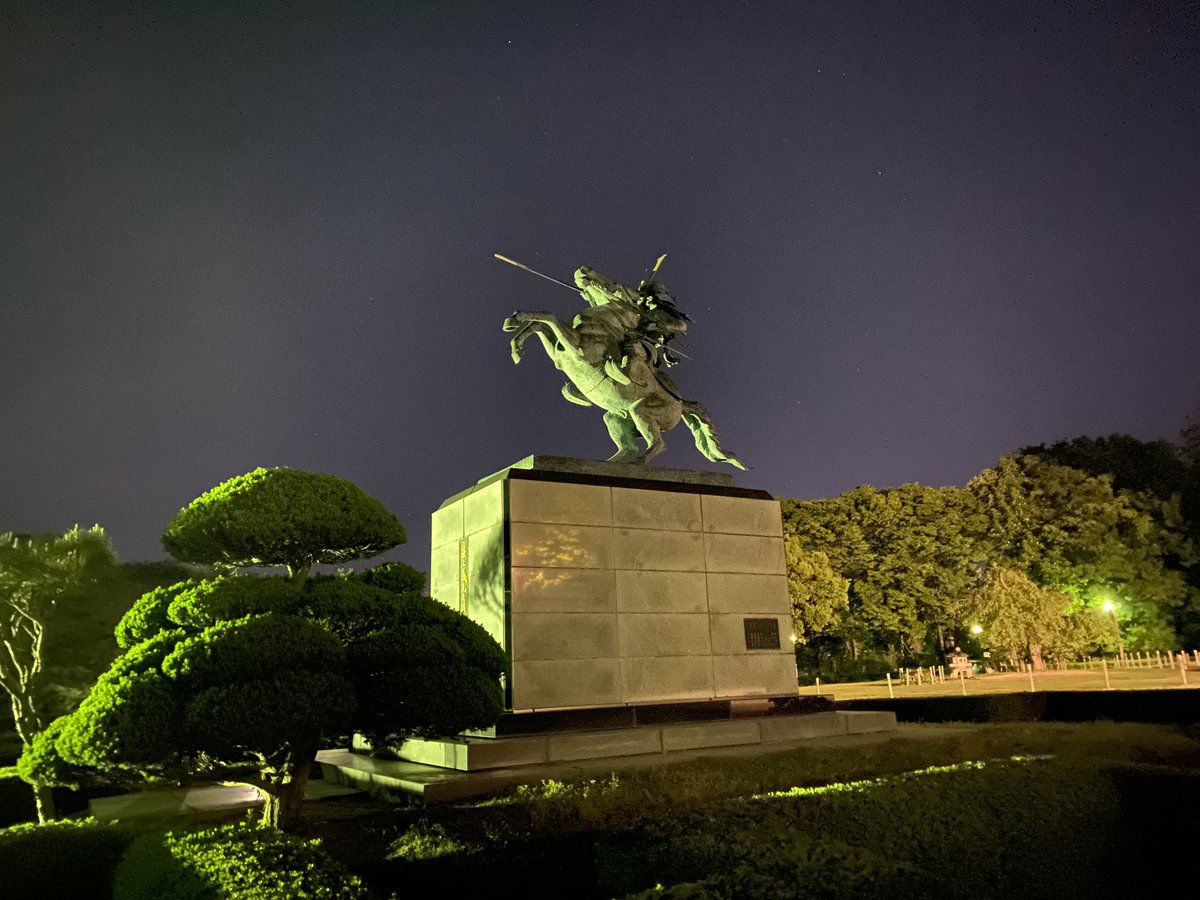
(624, 435)
(651, 431)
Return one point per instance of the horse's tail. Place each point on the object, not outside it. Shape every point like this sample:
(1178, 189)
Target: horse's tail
(697, 419)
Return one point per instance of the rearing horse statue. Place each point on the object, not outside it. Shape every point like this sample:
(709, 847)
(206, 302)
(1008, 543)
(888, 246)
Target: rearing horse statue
(611, 354)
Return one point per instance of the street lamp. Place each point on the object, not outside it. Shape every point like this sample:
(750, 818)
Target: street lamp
(1110, 607)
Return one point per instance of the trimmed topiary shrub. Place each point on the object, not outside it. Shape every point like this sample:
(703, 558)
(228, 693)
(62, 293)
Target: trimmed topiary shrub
(233, 862)
(246, 678)
(71, 858)
(282, 517)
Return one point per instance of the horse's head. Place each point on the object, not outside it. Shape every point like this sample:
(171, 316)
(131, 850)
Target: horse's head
(598, 290)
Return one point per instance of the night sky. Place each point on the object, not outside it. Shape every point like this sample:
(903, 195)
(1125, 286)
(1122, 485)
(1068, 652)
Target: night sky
(912, 237)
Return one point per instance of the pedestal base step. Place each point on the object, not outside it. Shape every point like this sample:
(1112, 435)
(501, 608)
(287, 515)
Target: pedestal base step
(439, 769)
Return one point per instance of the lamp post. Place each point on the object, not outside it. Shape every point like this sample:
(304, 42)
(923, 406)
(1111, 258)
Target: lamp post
(985, 658)
(1110, 607)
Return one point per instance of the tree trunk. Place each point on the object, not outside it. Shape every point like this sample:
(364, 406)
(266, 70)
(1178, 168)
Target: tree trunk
(43, 798)
(283, 797)
(1035, 658)
(29, 723)
(298, 572)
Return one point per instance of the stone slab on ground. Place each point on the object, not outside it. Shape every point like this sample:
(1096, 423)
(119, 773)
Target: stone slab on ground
(479, 754)
(595, 744)
(197, 801)
(467, 754)
(702, 735)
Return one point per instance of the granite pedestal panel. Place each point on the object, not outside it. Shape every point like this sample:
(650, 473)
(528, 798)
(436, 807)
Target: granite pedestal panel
(612, 585)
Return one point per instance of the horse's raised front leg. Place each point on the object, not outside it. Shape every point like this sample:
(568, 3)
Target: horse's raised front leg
(563, 334)
(517, 344)
(554, 349)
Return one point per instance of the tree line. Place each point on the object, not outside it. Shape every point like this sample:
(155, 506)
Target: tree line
(1087, 545)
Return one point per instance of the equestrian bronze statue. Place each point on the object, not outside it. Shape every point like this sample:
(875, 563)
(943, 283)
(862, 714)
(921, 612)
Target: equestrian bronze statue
(614, 354)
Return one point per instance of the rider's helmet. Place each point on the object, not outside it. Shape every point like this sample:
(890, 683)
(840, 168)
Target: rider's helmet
(654, 295)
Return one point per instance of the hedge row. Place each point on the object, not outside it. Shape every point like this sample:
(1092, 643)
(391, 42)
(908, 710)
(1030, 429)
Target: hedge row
(239, 862)
(70, 858)
(1031, 828)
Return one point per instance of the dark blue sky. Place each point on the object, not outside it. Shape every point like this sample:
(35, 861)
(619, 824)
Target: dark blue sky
(913, 237)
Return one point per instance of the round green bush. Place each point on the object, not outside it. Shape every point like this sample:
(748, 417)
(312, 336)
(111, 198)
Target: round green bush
(233, 862)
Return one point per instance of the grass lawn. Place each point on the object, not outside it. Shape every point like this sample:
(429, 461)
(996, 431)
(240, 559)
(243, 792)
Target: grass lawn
(752, 821)
(1130, 679)
(391, 846)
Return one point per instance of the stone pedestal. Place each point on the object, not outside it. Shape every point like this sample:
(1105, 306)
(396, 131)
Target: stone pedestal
(612, 585)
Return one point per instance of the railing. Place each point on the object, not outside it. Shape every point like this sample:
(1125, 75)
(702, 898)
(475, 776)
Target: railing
(1173, 667)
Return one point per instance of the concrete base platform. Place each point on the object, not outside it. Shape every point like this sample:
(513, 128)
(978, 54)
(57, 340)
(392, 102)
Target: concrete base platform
(455, 769)
(468, 754)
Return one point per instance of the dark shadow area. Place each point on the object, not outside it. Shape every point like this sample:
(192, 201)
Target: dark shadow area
(1178, 707)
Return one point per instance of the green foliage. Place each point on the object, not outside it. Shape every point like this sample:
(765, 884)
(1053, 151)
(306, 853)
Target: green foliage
(1163, 480)
(148, 615)
(251, 648)
(1020, 620)
(71, 858)
(967, 829)
(250, 675)
(1190, 435)
(41, 764)
(37, 572)
(126, 723)
(127, 719)
(255, 685)
(426, 841)
(49, 564)
(734, 827)
(910, 554)
(1069, 531)
(265, 690)
(819, 594)
(631, 829)
(238, 862)
(397, 577)
(228, 598)
(429, 673)
(904, 552)
(282, 517)
(1156, 467)
(79, 642)
(794, 866)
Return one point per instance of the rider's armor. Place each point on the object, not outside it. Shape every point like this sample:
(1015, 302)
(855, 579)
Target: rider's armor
(659, 321)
